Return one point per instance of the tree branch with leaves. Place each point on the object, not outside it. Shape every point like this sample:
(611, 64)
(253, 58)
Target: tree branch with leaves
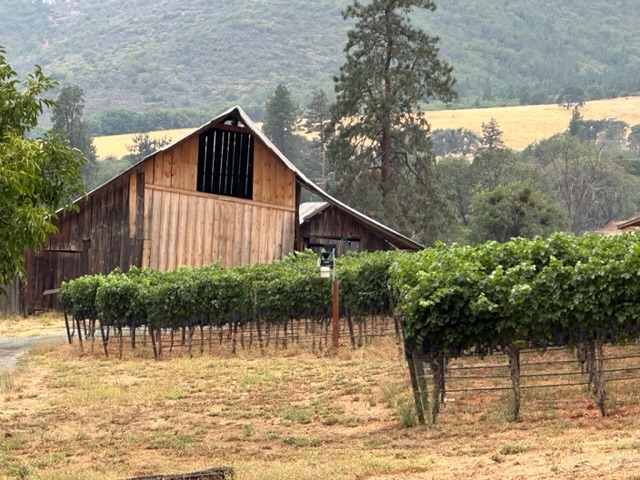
(37, 175)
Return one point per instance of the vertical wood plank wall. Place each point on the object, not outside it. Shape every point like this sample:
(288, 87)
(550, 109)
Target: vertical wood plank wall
(332, 225)
(10, 303)
(186, 227)
(104, 234)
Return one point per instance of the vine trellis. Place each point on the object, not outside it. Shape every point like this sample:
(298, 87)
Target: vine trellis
(451, 300)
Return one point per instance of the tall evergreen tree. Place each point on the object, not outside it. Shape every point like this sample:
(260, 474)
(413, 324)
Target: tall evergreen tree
(317, 116)
(281, 117)
(381, 142)
(491, 136)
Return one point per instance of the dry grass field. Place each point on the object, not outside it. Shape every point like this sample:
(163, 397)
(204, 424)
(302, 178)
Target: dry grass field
(293, 415)
(525, 125)
(521, 126)
(19, 326)
(116, 145)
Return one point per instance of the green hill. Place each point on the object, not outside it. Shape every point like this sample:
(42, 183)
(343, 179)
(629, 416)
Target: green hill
(145, 54)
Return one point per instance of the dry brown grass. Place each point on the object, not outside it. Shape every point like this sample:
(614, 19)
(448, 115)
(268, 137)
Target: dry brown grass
(293, 416)
(19, 326)
(116, 145)
(521, 126)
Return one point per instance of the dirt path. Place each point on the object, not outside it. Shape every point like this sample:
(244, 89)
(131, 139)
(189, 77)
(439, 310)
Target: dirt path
(11, 349)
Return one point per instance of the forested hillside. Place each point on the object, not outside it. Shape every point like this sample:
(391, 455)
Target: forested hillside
(146, 54)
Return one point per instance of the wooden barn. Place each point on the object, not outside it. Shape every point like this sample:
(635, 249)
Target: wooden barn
(327, 226)
(222, 192)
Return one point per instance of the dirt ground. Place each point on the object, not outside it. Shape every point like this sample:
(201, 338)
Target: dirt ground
(293, 415)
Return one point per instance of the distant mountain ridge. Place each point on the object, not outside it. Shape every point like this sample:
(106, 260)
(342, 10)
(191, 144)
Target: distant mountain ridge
(145, 54)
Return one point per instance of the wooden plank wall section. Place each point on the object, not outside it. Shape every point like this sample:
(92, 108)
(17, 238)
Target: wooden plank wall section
(11, 302)
(273, 182)
(335, 224)
(186, 227)
(106, 232)
(197, 229)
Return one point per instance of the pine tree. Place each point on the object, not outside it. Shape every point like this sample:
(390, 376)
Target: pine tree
(281, 117)
(491, 136)
(381, 142)
(317, 116)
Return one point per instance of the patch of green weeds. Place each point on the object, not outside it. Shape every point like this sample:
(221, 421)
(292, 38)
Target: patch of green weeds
(496, 457)
(395, 396)
(374, 443)
(176, 394)
(302, 442)
(513, 448)
(297, 415)
(181, 443)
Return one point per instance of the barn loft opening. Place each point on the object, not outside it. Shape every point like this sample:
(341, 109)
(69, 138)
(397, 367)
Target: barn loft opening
(225, 163)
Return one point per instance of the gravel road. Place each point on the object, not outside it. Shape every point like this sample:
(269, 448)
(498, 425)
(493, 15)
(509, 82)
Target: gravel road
(11, 349)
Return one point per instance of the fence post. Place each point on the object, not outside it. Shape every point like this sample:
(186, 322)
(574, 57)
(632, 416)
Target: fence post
(336, 314)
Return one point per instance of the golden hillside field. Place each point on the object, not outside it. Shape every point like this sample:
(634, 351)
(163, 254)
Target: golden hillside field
(116, 145)
(521, 126)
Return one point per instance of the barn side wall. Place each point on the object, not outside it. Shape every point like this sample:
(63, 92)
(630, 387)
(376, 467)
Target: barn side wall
(334, 226)
(11, 302)
(105, 233)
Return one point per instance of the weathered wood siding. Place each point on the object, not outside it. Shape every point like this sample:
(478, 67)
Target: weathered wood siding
(187, 227)
(334, 226)
(105, 233)
(11, 303)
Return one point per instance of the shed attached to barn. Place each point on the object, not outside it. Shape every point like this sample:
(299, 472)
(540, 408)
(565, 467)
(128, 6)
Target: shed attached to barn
(223, 192)
(327, 226)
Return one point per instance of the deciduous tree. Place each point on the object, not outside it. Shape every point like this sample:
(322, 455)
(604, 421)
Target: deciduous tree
(66, 116)
(454, 141)
(144, 145)
(514, 210)
(37, 175)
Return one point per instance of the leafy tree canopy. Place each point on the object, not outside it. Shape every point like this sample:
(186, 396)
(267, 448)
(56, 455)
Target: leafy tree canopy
(67, 119)
(143, 146)
(514, 210)
(37, 176)
(454, 141)
(572, 97)
(317, 117)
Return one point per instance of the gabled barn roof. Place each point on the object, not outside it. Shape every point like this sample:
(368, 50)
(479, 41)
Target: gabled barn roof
(237, 118)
